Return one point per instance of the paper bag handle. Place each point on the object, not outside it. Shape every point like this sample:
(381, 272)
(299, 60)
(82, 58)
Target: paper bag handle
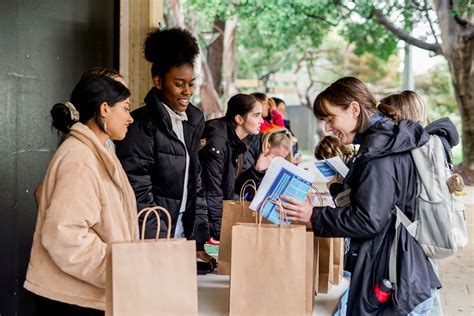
(320, 198)
(268, 199)
(247, 184)
(154, 209)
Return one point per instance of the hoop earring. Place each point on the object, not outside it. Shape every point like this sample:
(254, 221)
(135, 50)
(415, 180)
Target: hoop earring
(105, 124)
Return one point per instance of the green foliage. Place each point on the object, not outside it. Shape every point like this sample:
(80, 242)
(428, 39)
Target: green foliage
(369, 36)
(437, 88)
(271, 34)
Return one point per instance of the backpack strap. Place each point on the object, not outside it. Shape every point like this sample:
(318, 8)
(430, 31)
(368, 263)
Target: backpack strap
(401, 219)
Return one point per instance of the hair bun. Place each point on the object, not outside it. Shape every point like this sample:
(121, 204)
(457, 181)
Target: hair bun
(175, 46)
(61, 117)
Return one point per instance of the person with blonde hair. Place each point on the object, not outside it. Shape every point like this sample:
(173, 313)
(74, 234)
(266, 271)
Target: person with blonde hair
(413, 108)
(410, 104)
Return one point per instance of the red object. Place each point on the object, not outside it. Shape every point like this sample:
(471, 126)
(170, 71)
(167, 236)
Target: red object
(213, 242)
(381, 296)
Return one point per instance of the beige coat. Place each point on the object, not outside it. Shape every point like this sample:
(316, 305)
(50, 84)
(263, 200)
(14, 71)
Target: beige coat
(86, 202)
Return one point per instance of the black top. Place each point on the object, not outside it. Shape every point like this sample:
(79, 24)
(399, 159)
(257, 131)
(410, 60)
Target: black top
(155, 161)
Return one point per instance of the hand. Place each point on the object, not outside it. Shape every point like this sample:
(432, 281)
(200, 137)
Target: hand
(296, 159)
(296, 210)
(264, 161)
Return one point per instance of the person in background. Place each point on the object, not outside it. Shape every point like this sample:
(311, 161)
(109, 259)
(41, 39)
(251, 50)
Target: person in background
(281, 108)
(160, 152)
(275, 143)
(271, 117)
(382, 177)
(224, 144)
(331, 146)
(410, 105)
(86, 201)
(413, 108)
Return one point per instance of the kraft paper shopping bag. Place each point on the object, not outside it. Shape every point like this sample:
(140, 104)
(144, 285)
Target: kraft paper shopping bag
(152, 277)
(269, 269)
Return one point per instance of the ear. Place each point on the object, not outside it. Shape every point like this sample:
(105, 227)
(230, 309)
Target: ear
(238, 119)
(104, 109)
(355, 108)
(157, 82)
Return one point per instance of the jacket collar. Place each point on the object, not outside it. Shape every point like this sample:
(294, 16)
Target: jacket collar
(85, 135)
(153, 100)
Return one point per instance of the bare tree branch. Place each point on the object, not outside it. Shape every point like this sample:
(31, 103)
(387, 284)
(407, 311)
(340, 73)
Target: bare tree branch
(426, 10)
(381, 19)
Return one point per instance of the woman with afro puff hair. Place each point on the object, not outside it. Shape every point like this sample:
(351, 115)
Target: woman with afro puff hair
(160, 152)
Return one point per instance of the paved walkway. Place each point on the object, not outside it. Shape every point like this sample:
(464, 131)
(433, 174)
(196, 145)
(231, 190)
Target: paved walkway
(457, 272)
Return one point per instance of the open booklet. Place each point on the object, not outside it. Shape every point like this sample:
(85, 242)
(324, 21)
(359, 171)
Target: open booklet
(282, 178)
(328, 168)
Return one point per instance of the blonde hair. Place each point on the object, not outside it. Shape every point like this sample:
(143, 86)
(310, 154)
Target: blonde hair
(331, 146)
(278, 137)
(410, 105)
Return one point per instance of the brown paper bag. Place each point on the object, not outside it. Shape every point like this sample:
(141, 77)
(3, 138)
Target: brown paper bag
(150, 277)
(338, 260)
(268, 273)
(310, 269)
(326, 262)
(232, 213)
(316, 264)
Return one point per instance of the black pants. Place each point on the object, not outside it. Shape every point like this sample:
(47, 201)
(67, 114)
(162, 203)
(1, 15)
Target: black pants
(47, 307)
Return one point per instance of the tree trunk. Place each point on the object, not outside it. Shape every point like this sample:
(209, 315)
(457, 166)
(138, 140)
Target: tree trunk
(230, 88)
(458, 48)
(215, 55)
(209, 98)
(177, 16)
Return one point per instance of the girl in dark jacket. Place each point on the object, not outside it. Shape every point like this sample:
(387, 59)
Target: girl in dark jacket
(160, 152)
(382, 176)
(222, 155)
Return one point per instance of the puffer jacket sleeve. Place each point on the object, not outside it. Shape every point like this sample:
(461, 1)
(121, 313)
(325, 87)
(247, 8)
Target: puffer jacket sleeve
(372, 200)
(136, 153)
(213, 165)
(201, 220)
(68, 229)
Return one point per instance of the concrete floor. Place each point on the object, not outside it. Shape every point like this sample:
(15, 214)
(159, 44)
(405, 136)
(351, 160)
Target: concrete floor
(457, 272)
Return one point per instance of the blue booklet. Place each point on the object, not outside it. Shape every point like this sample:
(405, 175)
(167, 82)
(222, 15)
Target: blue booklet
(282, 178)
(330, 167)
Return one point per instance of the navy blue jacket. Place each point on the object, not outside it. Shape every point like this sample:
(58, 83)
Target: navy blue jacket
(382, 176)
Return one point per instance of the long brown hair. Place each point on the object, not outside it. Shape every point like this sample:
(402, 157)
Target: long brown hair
(347, 90)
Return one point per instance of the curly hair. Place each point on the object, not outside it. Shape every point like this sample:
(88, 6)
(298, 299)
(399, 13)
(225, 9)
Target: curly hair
(170, 48)
(331, 146)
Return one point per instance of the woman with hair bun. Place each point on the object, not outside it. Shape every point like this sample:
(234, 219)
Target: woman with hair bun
(222, 157)
(160, 152)
(86, 201)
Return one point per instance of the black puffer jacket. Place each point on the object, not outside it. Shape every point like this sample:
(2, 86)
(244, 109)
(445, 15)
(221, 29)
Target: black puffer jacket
(383, 175)
(155, 161)
(219, 159)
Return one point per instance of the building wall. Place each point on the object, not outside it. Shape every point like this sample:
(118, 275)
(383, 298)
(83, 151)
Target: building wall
(44, 48)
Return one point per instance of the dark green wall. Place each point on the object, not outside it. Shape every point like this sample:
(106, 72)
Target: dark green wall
(44, 48)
